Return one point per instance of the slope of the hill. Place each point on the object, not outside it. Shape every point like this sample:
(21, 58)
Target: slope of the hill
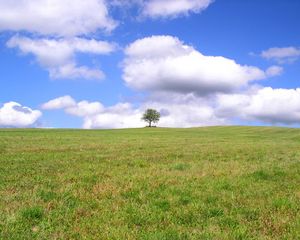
(199, 183)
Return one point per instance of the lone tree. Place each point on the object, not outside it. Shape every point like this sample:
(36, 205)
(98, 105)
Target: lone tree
(151, 116)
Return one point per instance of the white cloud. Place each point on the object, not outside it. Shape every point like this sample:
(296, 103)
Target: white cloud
(171, 8)
(95, 115)
(173, 114)
(58, 56)
(55, 17)
(126, 3)
(177, 111)
(282, 55)
(62, 21)
(266, 105)
(59, 103)
(81, 109)
(13, 114)
(165, 63)
(70, 18)
(122, 115)
(85, 108)
(71, 71)
(163, 8)
(274, 71)
(57, 26)
(181, 110)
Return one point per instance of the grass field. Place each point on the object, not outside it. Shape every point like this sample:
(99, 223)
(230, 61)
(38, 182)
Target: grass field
(201, 183)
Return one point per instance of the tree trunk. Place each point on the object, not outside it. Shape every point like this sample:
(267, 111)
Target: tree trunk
(150, 124)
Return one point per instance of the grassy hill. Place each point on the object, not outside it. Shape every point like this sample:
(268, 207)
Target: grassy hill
(199, 183)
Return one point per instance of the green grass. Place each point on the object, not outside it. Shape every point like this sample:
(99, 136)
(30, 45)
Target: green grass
(201, 183)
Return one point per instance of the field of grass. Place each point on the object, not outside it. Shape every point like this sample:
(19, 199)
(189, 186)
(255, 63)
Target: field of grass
(200, 183)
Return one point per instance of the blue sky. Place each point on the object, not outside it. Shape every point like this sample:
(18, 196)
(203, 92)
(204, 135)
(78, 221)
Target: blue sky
(199, 62)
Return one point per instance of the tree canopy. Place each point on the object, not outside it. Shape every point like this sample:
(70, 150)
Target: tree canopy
(151, 116)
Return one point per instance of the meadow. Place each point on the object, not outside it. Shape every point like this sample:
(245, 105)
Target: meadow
(151, 183)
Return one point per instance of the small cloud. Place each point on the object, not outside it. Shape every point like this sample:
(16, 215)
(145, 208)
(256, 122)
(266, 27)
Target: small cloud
(163, 8)
(171, 8)
(13, 114)
(274, 71)
(59, 103)
(282, 55)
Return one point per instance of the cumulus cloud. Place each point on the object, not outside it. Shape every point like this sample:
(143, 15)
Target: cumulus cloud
(61, 29)
(163, 8)
(59, 103)
(85, 108)
(184, 110)
(173, 114)
(71, 18)
(55, 25)
(121, 115)
(260, 104)
(56, 17)
(266, 105)
(95, 115)
(165, 63)
(67, 103)
(282, 55)
(179, 111)
(58, 55)
(13, 114)
(171, 8)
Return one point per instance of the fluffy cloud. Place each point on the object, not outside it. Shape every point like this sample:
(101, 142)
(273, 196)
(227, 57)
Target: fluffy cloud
(165, 63)
(266, 105)
(62, 21)
(173, 114)
(57, 26)
(55, 17)
(184, 110)
(179, 111)
(59, 103)
(163, 8)
(121, 115)
(71, 18)
(282, 55)
(171, 8)
(58, 56)
(13, 114)
(85, 108)
(95, 115)
(81, 109)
